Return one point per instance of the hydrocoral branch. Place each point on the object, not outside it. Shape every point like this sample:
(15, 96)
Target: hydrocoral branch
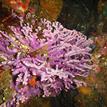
(45, 60)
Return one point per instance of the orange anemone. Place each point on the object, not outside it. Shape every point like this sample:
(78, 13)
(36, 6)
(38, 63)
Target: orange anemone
(32, 81)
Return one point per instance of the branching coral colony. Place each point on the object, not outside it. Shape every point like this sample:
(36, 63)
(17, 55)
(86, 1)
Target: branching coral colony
(44, 58)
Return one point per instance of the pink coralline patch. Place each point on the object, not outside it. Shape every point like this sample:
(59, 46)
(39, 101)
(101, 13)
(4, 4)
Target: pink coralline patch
(45, 60)
(103, 50)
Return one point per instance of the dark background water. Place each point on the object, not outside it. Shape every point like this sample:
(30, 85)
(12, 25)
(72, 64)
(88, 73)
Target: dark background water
(79, 14)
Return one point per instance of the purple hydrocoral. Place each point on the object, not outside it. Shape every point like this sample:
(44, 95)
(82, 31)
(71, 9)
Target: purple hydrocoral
(57, 57)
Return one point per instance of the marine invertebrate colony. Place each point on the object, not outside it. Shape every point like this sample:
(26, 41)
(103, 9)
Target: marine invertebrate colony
(44, 59)
(18, 5)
